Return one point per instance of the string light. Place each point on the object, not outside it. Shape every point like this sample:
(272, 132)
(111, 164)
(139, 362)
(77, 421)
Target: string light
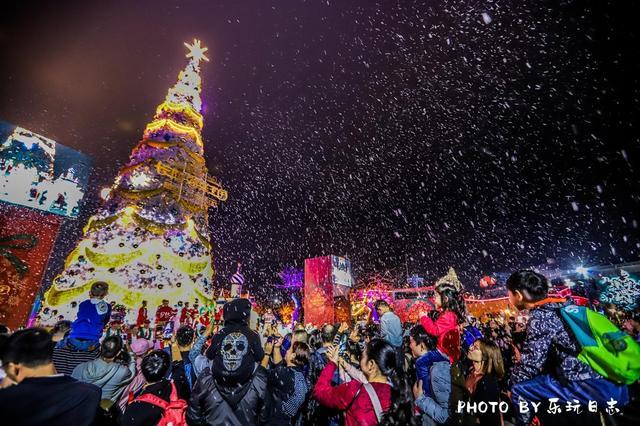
(130, 238)
(174, 127)
(172, 107)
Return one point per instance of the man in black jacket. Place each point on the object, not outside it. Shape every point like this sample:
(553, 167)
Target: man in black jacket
(232, 391)
(42, 397)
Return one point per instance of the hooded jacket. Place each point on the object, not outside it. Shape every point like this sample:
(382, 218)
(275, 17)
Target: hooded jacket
(111, 377)
(215, 404)
(235, 349)
(93, 315)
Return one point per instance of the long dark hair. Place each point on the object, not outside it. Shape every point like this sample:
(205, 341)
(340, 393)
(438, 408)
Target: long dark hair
(386, 358)
(453, 301)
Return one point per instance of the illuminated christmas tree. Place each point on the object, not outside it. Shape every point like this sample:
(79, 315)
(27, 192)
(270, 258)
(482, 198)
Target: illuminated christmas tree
(149, 240)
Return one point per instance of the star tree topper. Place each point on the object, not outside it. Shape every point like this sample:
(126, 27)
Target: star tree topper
(196, 51)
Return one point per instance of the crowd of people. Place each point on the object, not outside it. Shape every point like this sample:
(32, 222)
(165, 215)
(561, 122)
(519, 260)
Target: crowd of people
(448, 369)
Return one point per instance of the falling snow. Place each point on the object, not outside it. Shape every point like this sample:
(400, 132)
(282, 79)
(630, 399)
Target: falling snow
(481, 136)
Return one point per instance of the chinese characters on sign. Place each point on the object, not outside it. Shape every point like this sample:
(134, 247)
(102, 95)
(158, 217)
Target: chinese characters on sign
(554, 406)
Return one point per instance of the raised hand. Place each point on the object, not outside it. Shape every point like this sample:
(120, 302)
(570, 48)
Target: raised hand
(332, 354)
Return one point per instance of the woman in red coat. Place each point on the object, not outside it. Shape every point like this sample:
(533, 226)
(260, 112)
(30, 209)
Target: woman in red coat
(379, 365)
(451, 312)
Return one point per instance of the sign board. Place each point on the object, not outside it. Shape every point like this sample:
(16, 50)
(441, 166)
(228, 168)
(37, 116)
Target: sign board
(341, 271)
(40, 173)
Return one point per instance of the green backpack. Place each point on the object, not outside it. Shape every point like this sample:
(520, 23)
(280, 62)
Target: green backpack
(608, 350)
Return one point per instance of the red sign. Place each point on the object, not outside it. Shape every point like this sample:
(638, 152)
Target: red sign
(318, 291)
(326, 300)
(26, 239)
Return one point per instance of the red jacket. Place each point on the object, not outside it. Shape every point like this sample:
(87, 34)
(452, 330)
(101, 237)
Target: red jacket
(445, 328)
(142, 316)
(184, 315)
(339, 397)
(164, 314)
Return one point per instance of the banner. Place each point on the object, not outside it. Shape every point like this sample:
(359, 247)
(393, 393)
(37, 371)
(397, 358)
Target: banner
(26, 239)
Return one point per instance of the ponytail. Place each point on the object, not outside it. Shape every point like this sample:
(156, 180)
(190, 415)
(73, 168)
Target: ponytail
(385, 357)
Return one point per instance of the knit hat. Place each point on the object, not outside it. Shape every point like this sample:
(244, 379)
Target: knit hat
(238, 311)
(141, 346)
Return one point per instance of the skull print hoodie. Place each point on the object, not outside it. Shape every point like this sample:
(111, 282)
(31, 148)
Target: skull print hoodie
(235, 350)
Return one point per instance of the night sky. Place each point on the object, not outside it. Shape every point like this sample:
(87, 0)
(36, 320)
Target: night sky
(486, 136)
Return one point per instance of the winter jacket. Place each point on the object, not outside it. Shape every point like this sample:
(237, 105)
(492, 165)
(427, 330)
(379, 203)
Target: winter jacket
(287, 393)
(111, 377)
(391, 329)
(351, 396)
(446, 330)
(423, 367)
(197, 358)
(139, 413)
(435, 405)
(215, 404)
(49, 401)
(549, 348)
(93, 315)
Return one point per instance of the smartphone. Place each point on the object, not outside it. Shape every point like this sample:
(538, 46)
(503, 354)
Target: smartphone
(342, 346)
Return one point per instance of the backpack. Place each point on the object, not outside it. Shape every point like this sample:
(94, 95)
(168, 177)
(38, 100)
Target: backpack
(174, 410)
(605, 348)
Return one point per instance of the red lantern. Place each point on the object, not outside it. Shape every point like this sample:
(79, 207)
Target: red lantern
(487, 281)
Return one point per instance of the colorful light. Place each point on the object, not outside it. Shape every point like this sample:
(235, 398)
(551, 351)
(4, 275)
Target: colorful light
(174, 127)
(143, 242)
